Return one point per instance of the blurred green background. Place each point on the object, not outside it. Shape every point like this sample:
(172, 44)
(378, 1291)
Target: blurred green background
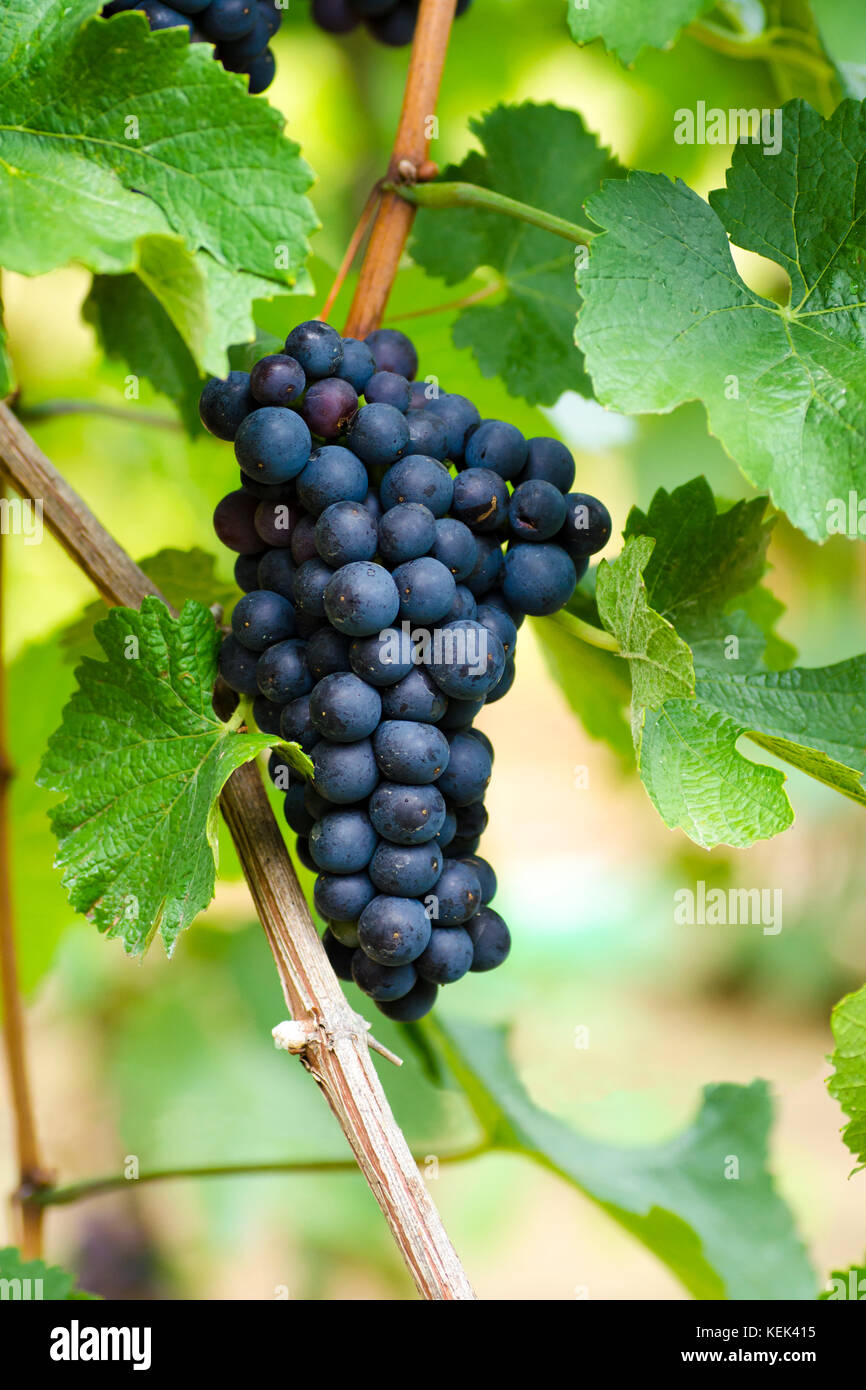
(172, 1062)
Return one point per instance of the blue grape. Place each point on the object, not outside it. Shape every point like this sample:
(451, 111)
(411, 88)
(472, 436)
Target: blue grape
(296, 726)
(485, 875)
(327, 652)
(464, 606)
(340, 956)
(397, 27)
(460, 714)
(303, 542)
(384, 658)
(466, 660)
(225, 404)
(416, 696)
(378, 434)
(454, 546)
(262, 618)
(497, 446)
(311, 580)
(344, 773)
(406, 532)
(331, 474)
(237, 54)
(302, 850)
(161, 16)
(467, 776)
(361, 599)
(407, 871)
(407, 815)
(276, 571)
(480, 499)
(267, 715)
(538, 579)
(449, 829)
(410, 752)
(393, 352)
(488, 568)
(318, 348)
(234, 521)
(550, 461)
(382, 982)
(427, 434)
(393, 931)
(358, 364)
(536, 511)
(458, 894)
(494, 598)
(413, 1006)
(587, 526)
(344, 708)
(447, 957)
(297, 816)
(504, 684)
(342, 842)
(491, 939)
(418, 478)
(345, 531)
(498, 621)
(342, 897)
(471, 820)
(246, 572)
(272, 444)
(275, 520)
(238, 667)
(388, 388)
(459, 416)
(283, 674)
(426, 590)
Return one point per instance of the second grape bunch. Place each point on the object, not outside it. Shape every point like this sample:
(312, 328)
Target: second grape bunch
(380, 614)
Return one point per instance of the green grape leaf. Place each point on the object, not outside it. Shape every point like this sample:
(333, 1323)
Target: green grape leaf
(541, 155)
(704, 1202)
(660, 661)
(141, 759)
(846, 1284)
(701, 784)
(847, 1085)
(595, 684)
(666, 317)
(627, 26)
(34, 1280)
(142, 186)
(814, 717)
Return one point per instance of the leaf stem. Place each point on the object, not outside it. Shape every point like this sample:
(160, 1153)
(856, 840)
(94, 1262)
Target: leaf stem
(587, 632)
(760, 48)
(97, 1187)
(470, 195)
(49, 410)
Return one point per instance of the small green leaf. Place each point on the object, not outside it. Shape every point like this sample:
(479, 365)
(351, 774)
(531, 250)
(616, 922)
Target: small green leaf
(142, 759)
(848, 1082)
(541, 155)
(724, 1234)
(33, 1280)
(666, 317)
(627, 26)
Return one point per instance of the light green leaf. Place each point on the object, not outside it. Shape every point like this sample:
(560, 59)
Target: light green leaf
(141, 759)
(541, 155)
(848, 1082)
(666, 317)
(701, 784)
(627, 26)
(722, 1238)
(843, 33)
(34, 1280)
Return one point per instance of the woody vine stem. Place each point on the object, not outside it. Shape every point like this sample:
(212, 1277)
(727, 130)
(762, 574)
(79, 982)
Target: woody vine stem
(337, 1050)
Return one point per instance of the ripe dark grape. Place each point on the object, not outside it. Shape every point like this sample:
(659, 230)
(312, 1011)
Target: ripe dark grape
(342, 842)
(463, 607)
(414, 1005)
(382, 982)
(331, 474)
(504, 684)
(340, 956)
(488, 567)
(318, 348)
(296, 726)
(410, 752)
(344, 773)
(426, 590)
(468, 773)
(277, 380)
(407, 871)
(239, 29)
(358, 363)
(416, 696)
(460, 715)
(262, 618)
(382, 659)
(267, 716)
(538, 579)
(361, 599)
(303, 542)
(227, 19)
(234, 522)
(498, 621)
(484, 873)
(329, 407)
(327, 651)
(283, 673)
(497, 446)
(393, 931)
(247, 572)
(161, 16)
(406, 532)
(388, 388)
(536, 511)
(407, 815)
(480, 499)
(345, 531)
(393, 352)
(335, 16)
(274, 521)
(378, 434)
(587, 525)
(298, 818)
(458, 895)
(238, 666)
(447, 956)
(550, 461)
(311, 580)
(342, 896)
(272, 444)
(344, 708)
(491, 939)
(449, 829)
(427, 434)
(225, 404)
(418, 478)
(454, 546)
(459, 416)
(276, 571)
(467, 660)
(472, 820)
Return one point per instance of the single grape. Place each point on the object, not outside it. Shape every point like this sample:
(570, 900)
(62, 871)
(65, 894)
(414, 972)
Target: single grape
(332, 474)
(416, 697)
(504, 684)
(550, 461)
(238, 666)
(318, 348)
(378, 434)
(487, 571)
(447, 956)
(418, 478)
(497, 446)
(460, 714)
(344, 708)
(303, 543)
(335, 17)
(467, 776)
(266, 715)
(315, 803)
(413, 1006)
(466, 660)
(454, 546)
(410, 752)
(491, 939)
(498, 621)
(472, 820)
(327, 652)
(536, 511)
(342, 896)
(234, 522)
(272, 444)
(295, 812)
(358, 364)
(407, 871)
(283, 674)
(407, 815)
(296, 726)
(382, 982)
(538, 579)
(459, 416)
(276, 571)
(311, 580)
(236, 55)
(161, 16)
(486, 876)
(393, 931)
(261, 71)
(361, 599)
(329, 407)
(344, 772)
(463, 608)
(384, 658)
(343, 841)
(406, 532)
(302, 850)
(247, 572)
(340, 956)
(427, 434)
(345, 932)
(426, 590)
(388, 388)
(275, 521)
(448, 831)
(393, 352)
(277, 380)
(227, 19)
(281, 772)
(480, 499)
(225, 404)
(345, 531)
(262, 618)
(458, 894)
(587, 526)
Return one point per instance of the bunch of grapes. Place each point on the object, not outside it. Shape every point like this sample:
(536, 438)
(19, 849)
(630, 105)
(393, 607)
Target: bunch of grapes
(388, 553)
(389, 21)
(240, 29)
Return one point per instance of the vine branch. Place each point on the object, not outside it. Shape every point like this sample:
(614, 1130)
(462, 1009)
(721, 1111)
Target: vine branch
(470, 195)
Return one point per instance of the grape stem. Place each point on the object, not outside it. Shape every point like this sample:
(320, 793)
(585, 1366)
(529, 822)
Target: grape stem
(470, 195)
(762, 47)
(587, 632)
(50, 410)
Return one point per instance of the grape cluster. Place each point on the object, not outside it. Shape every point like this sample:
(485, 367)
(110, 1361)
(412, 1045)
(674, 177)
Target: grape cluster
(379, 615)
(390, 21)
(240, 29)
